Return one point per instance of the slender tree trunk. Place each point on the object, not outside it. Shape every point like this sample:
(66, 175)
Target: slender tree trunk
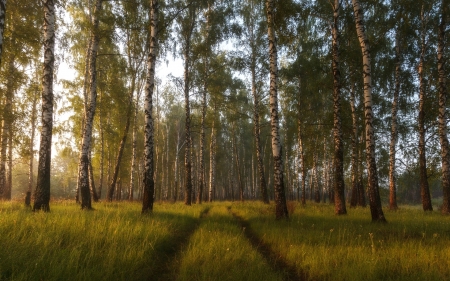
(355, 150)
(112, 186)
(2, 25)
(42, 191)
(374, 195)
(31, 163)
(201, 179)
(7, 127)
(187, 128)
(445, 153)
(94, 194)
(158, 184)
(102, 155)
(149, 182)
(300, 144)
(83, 168)
(394, 130)
(134, 156)
(212, 164)
(256, 120)
(238, 169)
(339, 185)
(169, 185)
(280, 197)
(8, 187)
(330, 181)
(316, 180)
(324, 171)
(232, 176)
(424, 187)
(360, 185)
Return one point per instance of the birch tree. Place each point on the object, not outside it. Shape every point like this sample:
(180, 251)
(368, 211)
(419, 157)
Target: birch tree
(374, 194)
(186, 30)
(2, 25)
(442, 119)
(394, 129)
(149, 182)
(42, 191)
(280, 198)
(424, 186)
(253, 39)
(339, 185)
(83, 166)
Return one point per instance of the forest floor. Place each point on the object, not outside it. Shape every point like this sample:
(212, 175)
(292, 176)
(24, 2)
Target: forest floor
(220, 241)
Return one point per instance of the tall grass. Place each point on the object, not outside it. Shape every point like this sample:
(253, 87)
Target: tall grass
(218, 250)
(176, 242)
(114, 242)
(413, 246)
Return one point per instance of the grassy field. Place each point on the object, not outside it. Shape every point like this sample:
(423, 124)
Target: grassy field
(220, 241)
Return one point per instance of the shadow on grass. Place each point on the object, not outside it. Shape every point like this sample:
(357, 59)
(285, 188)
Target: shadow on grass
(275, 260)
(169, 247)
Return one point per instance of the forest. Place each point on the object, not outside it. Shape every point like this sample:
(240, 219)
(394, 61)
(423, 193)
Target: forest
(311, 101)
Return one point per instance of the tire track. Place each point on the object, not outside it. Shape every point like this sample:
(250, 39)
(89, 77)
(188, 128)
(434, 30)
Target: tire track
(176, 244)
(274, 259)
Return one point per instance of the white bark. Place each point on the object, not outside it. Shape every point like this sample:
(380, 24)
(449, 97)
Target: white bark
(149, 183)
(83, 167)
(280, 198)
(374, 195)
(42, 192)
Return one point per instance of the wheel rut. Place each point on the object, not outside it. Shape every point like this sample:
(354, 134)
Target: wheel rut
(274, 259)
(165, 271)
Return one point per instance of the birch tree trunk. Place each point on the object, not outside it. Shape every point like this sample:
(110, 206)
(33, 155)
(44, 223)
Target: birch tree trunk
(445, 153)
(149, 182)
(94, 194)
(316, 180)
(2, 25)
(212, 164)
(300, 144)
(394, 130)
(280, 197)
(42, 191)
(339, 185)
(238, 169)
(8, 186)
(360, 185)
(31, 163)
(6, 126)
(187, 125)
(102, 154)
(201, 180)
(354, 159)
(374, 195)
(134, 156)
(121, 146)
(257, 133)
(424, 187)
(83, 167)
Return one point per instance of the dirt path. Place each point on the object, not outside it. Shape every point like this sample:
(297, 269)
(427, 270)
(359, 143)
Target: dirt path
(275, 260)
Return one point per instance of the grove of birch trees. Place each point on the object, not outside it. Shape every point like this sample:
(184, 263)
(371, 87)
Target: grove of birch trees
(340, 102)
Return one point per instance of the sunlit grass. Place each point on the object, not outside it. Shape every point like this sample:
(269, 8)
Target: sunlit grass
(413, 246)
(115, 242)
(219, 250)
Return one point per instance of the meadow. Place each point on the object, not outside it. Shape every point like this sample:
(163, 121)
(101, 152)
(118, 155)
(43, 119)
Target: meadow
(220, 241)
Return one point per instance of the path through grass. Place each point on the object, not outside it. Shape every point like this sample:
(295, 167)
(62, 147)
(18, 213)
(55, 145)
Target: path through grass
(205, 242)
